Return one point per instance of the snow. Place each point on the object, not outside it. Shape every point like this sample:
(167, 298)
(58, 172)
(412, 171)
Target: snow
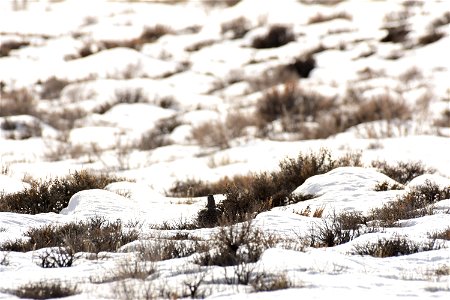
(341, 180)
(198, 75)
(10, 185)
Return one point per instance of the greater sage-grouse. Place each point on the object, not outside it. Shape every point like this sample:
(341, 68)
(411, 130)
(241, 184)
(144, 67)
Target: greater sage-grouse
(209, 216)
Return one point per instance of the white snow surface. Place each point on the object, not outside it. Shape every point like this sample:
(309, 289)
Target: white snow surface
(197, 75)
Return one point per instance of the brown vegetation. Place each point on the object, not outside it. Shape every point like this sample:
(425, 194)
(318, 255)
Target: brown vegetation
(320, 18)
(52, 195)
(277, 36)
(17, 102)
(94, 236)
(415, 203)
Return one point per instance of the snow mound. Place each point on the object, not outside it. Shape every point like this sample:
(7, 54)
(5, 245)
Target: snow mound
(131, 201)
(135, 191)
(342, 179)
(91, 203)
(10, 185)
(442, 182)
(343, 189)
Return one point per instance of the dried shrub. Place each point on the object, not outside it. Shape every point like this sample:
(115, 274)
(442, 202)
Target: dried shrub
(430, 37)
(136, 268)
(444, 120)
(383, 107)
(442, 270)
(86, 50)
(320, 18)
(339, 229)
(199, 188)
(158, 136)
(237, 27)
(152, 34)
(236, 123)
(444, 235)
(63, 118)
(278, 35)
(266, 190)
(19, 130)
(148, 35)
(306, 212)
(303, 65)
(17, 102)
(166, 102)
(224, 3)
(52, 195)
(441, 21)
(130, 96)
(386, 186)
(220, 133)
(414, 204)
(45, 290)
(235, 245)
(268, 282)
(7, 46)
(56, 258)
(190, 188)
(274, 76)
(211, 134)
(52, 87)
(396, 246)
(321, 2)
(411, 74)
(397, 27)
(182, 224)
(164, 248)
(402, 172)
(127, 96)
(94, 235)
(396, 34)
(293, 106)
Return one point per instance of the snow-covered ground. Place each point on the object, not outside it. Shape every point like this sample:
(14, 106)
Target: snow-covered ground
(134, 106)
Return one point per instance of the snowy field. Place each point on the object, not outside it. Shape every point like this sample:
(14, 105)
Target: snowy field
(164, 98)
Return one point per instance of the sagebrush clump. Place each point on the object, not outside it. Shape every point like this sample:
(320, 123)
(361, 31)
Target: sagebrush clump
(45, 290)
(396, 246)
(248, 195)
(52, 195)
(95, 235)
(277, 36)
(416, 203)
